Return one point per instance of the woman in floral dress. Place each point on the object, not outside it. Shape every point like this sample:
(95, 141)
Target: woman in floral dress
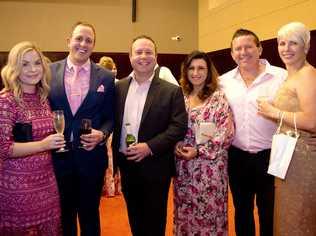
(200, 186)
(29, 200)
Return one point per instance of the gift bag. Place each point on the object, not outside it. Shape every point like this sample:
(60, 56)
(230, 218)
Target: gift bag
(282, 149)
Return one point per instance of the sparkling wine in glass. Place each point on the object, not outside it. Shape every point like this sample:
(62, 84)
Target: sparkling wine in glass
(85, 128)
(59, 125)
(264, 95)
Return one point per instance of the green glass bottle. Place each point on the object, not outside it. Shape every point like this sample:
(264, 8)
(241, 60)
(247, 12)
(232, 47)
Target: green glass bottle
(130, 139)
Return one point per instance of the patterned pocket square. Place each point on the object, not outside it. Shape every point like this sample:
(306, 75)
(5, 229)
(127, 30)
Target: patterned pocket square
(100, 89)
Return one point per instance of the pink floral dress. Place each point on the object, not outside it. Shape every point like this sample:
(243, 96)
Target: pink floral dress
(29, 199)
(201, 184)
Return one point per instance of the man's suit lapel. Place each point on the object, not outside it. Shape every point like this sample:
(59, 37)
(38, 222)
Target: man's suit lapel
(122, 98)
(94, 78)
(152, 93)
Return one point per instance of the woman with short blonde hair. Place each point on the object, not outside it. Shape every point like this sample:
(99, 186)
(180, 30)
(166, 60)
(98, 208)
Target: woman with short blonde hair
(295, 104)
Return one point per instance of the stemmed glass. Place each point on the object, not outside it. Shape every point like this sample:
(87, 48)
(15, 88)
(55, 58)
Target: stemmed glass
(59, 125)
(264, 95)
(85, 128)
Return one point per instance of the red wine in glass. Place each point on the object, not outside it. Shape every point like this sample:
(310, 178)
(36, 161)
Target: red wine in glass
(85, 128)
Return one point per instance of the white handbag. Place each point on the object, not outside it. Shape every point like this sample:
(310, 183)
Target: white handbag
(282, 150)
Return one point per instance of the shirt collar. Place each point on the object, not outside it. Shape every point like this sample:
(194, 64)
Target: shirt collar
(267, 70)
(147, 81)
(131, 74)
(85, 66)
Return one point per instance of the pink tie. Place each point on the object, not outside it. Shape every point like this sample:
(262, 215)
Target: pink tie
(75, 96)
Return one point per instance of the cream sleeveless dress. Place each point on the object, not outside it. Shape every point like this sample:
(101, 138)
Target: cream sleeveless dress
(295, 196)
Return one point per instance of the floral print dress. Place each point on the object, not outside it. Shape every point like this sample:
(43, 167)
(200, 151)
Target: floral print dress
(201, 184)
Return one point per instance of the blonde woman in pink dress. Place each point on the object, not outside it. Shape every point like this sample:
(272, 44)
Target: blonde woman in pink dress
(29, 200)
(201, 182)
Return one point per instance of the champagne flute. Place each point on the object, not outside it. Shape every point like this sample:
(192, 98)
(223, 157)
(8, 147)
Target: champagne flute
(264, 94)
(85, 128)
(59, 125)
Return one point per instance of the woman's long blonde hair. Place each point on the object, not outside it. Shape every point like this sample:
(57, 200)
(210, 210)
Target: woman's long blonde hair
(11, 71)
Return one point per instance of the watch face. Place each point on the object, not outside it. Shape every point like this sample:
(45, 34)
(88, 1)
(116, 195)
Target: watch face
(105, 136)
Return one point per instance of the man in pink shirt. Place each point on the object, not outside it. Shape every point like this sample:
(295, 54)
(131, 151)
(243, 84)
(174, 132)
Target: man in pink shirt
(82, 90)
(250, 151)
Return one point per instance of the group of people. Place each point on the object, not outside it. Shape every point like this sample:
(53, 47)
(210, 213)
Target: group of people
(210, 132)
(41, 195)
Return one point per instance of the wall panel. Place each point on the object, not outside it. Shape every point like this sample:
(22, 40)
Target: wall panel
(217, 25)
(48, 23)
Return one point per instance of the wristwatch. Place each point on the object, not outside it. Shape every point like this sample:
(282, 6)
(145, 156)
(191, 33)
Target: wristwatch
(104, 137)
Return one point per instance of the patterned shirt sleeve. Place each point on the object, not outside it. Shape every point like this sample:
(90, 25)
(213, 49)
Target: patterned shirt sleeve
(7, 116)
(225, 130)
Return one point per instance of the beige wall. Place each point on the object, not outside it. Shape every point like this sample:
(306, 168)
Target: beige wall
(218, 19)
(48, 23)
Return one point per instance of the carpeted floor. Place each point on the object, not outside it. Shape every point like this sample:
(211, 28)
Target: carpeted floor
(114, 220)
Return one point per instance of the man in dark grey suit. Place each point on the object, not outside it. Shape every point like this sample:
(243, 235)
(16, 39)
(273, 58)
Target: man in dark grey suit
(82, 90)
(153, 111)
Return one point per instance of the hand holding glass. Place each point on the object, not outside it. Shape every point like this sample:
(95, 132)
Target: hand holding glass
(59, 125)
(264, 95)
(85, 128)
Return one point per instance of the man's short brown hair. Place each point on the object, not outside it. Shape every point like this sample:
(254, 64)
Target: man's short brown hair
(245, 32)
(145, 37)
(83, 23)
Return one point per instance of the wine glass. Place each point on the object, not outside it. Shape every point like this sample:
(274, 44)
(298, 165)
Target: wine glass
(264, 95)
(85, 128)
(59, 125)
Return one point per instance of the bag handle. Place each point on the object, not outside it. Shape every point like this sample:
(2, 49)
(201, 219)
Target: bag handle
(281, 122)
(294, 118)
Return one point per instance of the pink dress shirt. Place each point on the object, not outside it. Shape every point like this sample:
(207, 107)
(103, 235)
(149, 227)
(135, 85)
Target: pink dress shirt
(77, 81)
(253, 132)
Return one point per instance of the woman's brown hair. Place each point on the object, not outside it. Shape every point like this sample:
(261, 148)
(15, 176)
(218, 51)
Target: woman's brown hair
(211, 79)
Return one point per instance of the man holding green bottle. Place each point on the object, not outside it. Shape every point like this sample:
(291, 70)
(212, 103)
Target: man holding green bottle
(150, 119)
